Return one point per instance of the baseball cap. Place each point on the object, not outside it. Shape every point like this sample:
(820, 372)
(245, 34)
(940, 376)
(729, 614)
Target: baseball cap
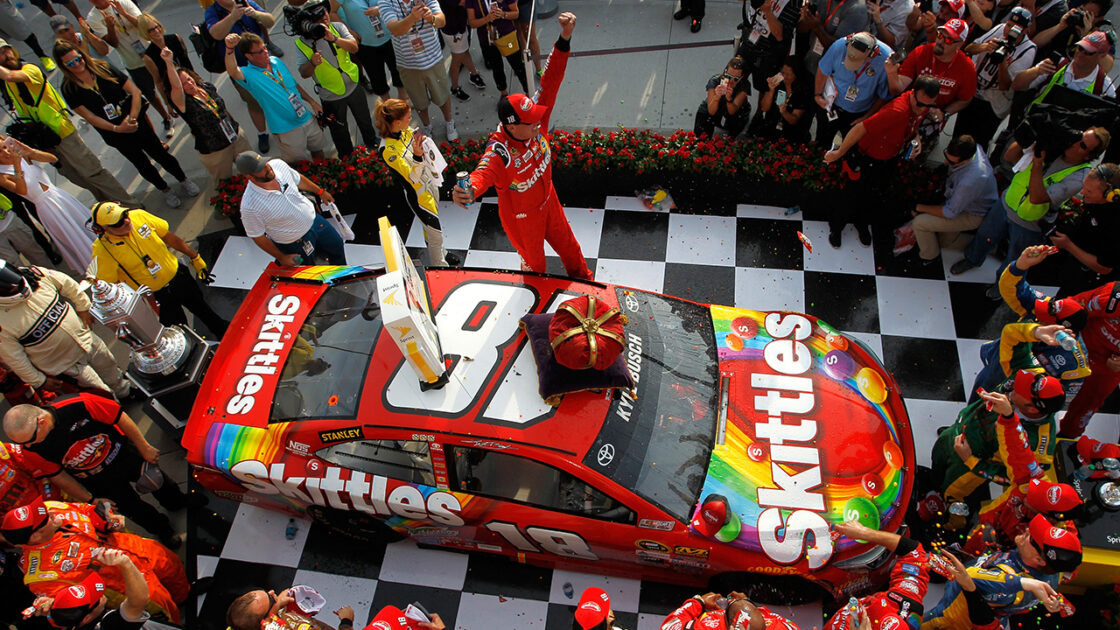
(518, 108)
(957, 6)
(1045, 496)
(1094, 450)
(1060, 548)
(21, 522)
(1043, 390)
(1066, 311)
(390, 618)
(860, 48)
(1094, 42)
(713, 515)
(1020, 16)
(58, 22)
(955, 29)
(108, 213)
(594, 607)
(74, 602)
(250, 162)
(4, 44)
(151, 479)
(882, 612)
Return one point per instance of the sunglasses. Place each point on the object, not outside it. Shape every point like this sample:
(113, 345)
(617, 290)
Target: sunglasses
(925, 105)
(950, 159)
(34, 436)
(73, 62)
(257, 51)
(731, 77)
(124, 219)
(1086, 52)
(945, 38)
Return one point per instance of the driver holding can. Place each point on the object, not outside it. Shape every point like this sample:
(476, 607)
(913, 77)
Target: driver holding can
(517, 163)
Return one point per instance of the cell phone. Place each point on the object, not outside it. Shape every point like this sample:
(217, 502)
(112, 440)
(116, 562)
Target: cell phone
(416, 612)
(242, 3)
(896, 57)
(1056, 57)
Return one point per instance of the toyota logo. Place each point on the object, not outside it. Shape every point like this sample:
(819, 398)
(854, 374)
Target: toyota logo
(606, 454)
(631, 303)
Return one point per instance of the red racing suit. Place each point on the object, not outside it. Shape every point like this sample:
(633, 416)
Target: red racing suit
(908, 585)
(19, 484)
(1006, 516)
(692, 616)
(1102, 338)
(521, 173)
(65, 560)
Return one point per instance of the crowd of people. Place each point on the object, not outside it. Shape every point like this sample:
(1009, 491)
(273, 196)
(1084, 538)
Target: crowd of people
(875, 82)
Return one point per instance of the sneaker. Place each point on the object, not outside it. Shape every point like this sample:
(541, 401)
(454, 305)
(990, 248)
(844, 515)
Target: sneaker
(695, 28)
(864, 235)
(452, 133)
(961, 266)
(680, 15)
(929, 262)
(167, 128)
(993, 293)
(263, 144)
(458, 93)
(834, 238)
(476, 80)
(190, 189)
(48, 63)
(426, 130)
(171, 199)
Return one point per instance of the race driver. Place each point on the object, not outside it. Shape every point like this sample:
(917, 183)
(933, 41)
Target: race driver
(518, 164)
(59, 541)
(84, 606)
(1043, 552)
(1102, 338)
(1028, 494)
(900, 606)
(706, 612)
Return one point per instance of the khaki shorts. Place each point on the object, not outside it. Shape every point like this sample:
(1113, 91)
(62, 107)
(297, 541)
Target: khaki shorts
(427, 87)
(299, 143)
(460, 42)
(220, 163)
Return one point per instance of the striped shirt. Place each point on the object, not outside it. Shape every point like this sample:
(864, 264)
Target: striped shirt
(419, 48)
(283, 215)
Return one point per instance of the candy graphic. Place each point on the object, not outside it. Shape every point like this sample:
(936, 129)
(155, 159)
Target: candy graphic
(731, 530)
(871, 385)
(863, 510)
(805, 241)
(836, 340)
(872, 484)
(745, 327)
(735, 342)
(839, 365)
(893, 454)
(757, 452)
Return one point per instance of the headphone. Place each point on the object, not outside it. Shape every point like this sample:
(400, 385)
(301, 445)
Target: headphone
(1106, 174)
(92, 223)
(874, 48)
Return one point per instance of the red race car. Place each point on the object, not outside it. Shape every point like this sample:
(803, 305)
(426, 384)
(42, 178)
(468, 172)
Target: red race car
(746, 434)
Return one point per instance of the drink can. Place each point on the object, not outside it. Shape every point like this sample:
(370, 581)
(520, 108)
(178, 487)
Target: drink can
(463, 180)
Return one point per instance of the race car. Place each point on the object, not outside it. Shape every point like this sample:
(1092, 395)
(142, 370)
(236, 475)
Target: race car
(771, 423)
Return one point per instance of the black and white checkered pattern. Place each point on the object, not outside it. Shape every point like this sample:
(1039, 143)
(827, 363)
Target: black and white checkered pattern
(926, 327)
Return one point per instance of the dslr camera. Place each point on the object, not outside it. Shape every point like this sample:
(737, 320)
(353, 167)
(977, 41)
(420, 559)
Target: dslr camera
(1076, 18)
(305, 21)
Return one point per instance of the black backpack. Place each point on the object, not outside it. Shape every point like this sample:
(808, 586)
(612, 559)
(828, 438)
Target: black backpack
(211, 51)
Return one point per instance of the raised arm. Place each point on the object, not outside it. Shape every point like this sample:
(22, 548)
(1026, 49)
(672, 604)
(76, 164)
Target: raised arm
(232, 68)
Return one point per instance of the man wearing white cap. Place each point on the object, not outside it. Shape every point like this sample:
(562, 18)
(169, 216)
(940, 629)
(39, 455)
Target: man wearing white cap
(851, 83)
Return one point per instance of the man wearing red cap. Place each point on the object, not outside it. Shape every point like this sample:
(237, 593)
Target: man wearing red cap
(593, 611)
(900, 606)
(1028, 494)
(709, 612)
(1043, 552)
(82, 606)
(1102, 340)
(393, 618)
(1080, 73)
(943, 60)
(967, 454)
(518, 164)
(59, 543)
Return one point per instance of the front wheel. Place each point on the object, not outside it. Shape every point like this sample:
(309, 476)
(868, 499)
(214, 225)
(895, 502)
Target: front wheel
(355, 524)
(778, 590)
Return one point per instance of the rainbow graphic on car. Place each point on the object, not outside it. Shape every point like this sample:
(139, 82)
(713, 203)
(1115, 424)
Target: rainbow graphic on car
(816, 433)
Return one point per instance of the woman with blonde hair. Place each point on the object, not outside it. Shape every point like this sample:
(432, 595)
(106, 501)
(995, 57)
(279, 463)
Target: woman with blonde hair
(403, 151)
(217, 136)
(152, 31)
(112, 104)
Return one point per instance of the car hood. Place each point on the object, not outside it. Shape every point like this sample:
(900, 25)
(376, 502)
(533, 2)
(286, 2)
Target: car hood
(812, 431)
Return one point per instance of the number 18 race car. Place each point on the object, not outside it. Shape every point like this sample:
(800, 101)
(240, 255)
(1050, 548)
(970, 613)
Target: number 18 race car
(745, 436)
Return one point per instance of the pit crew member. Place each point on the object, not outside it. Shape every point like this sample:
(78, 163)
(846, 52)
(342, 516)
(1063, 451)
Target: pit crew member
(91, 438)
(84, 606)
(59, 542)
(259, 608)
(1042, 552)
(704, 612)
(980, 614)
(518, 164)
(902, 601)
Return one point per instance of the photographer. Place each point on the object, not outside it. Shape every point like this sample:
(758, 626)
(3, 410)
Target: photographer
(785, 109)
(825, 22)
(238, 17)
(970, 192)
(1082, 73)
(768, 28)
(1088, 237)
(327, 47)
(999, 56)
(375, 50)
(727, 105)
(1075, 24)
(416, 44)
(270, 83)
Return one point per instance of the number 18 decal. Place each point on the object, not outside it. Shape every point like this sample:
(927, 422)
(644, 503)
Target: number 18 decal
(554, 541)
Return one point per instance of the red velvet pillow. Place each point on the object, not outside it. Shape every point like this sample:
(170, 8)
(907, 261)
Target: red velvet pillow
(557, 380)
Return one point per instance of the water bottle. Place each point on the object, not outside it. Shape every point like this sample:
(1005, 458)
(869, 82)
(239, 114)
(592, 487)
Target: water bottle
(853, 613)
(1067, 341)
(291, 529)
(1084, 471)
(958, 508)
(722, 602)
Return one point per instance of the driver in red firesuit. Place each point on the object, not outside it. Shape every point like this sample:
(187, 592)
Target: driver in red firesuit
(518, 164)
(58, 540)
(706, 612)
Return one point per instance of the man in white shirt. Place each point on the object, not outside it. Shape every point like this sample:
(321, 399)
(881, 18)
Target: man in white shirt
(282, 221)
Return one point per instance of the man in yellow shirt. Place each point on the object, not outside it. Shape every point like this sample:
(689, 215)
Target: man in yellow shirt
(135, 247)
(23, 83)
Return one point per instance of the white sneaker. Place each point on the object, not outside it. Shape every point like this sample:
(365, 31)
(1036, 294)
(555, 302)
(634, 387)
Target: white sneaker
(452, 133)
(190, 189)
(426, 130)
(171, 199)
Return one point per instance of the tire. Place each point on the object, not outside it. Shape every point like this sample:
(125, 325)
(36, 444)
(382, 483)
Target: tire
(356, 525)
(779, 590)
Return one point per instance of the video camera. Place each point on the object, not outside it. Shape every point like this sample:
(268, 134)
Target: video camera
(306, 21)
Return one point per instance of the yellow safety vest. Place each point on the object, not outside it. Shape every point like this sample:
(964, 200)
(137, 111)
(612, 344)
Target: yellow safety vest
(1018, 198)
(327, 76)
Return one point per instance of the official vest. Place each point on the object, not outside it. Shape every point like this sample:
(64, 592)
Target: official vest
(327, 76)
(1017, 197)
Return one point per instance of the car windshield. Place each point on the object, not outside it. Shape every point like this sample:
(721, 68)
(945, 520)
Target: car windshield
(326, 367)
(659, 443)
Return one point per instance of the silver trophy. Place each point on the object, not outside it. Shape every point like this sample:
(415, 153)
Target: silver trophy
(156, 349)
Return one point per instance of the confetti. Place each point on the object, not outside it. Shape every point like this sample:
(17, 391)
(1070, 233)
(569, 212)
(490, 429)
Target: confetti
(805, 241)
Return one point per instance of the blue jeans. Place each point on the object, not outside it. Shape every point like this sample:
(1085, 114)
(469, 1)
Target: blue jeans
(325, 242)
(994, 229)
